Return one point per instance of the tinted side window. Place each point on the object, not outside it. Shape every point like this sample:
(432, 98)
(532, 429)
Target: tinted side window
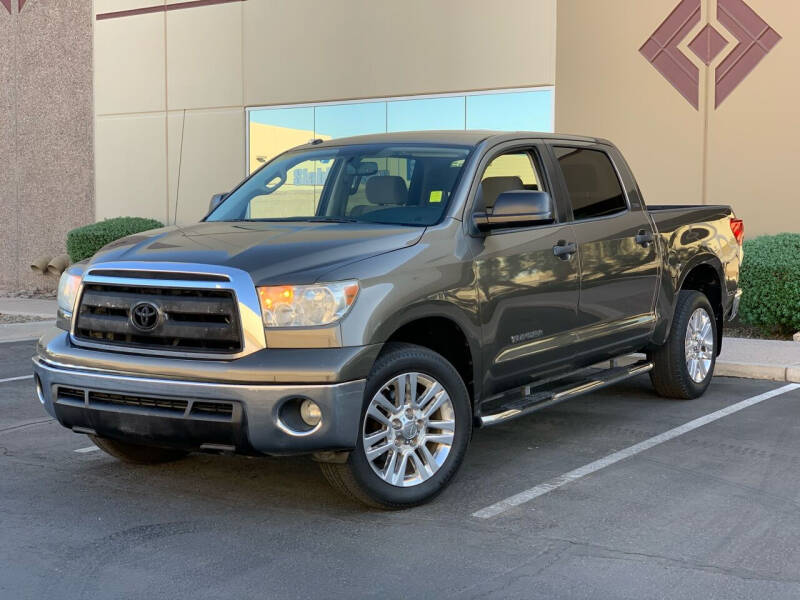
(592, 183)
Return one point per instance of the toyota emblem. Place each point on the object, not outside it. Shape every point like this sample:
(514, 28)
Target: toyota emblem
(145, 316)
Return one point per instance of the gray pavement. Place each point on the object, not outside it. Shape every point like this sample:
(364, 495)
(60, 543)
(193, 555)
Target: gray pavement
(710, 514)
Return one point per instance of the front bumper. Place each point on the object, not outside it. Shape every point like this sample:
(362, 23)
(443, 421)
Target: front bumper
(122, 401)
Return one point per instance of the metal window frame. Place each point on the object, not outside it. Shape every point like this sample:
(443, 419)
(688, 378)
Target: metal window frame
(496, 91)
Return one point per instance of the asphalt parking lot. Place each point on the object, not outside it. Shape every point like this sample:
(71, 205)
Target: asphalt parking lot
(712, 513)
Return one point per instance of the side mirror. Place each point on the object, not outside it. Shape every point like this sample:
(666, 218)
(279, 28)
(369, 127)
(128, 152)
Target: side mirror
(517, 208)
(216, 200)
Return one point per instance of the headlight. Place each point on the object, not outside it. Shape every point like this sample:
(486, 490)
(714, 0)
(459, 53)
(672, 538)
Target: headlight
(306, 305)
(68, 289)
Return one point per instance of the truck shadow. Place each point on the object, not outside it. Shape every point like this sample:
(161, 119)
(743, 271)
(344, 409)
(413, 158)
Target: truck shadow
(522, 450)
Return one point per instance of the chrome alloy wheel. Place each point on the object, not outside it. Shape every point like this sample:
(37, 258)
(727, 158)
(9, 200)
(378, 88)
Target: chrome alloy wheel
(408, 429)
(699, 345)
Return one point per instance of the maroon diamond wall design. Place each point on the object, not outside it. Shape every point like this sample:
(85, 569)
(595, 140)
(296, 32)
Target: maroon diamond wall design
(708, 44)
(661, 50)
(755, 38)
(7, 4)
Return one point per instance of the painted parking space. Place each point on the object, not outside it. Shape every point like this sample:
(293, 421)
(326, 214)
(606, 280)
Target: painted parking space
(711, 513)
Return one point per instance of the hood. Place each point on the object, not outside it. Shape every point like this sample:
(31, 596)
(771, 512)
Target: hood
(271, 252)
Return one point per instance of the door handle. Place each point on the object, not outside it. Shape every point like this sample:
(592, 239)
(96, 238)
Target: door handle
(564, 250)
(644, 238)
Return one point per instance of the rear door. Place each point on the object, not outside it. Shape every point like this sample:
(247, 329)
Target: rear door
(528, 295)
(618, 258)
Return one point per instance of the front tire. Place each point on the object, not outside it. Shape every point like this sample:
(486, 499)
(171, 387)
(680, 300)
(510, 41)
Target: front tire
(135, 453)
(684, 365)
(416, 423)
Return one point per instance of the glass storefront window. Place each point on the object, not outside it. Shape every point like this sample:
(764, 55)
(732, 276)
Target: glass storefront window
(343, 120)
(513, 111)
(277, 129)
(425, 114)
(274, 130)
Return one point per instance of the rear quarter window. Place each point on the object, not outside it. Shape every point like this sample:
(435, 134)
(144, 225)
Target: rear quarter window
(592, 182)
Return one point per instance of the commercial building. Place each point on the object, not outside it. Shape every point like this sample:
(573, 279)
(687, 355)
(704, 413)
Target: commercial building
(147, 107)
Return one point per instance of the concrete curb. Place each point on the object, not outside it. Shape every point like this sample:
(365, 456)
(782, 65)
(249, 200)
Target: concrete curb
(29, 307)
(724, 368)
(787, 373)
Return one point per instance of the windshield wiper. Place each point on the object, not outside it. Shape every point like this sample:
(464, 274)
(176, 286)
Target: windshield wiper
(298, 220)
(334, 220)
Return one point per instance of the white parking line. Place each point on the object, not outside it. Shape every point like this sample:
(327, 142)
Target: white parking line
(592, 467)
(20, 378)
(87, 449)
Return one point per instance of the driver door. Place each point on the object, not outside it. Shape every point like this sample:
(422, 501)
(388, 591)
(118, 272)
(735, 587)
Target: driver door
(528, 295)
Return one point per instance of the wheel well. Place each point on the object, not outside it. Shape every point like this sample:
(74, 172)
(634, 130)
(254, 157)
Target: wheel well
(704, 278)
(443, 336)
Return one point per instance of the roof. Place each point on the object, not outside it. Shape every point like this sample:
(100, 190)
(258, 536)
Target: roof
(454, 137)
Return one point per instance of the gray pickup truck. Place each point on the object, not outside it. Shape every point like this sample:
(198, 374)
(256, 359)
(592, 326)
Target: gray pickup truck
(371, 300)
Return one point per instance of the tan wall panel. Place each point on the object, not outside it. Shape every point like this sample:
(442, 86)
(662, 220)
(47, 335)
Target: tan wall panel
(293, 51)
(131, 165)
(108, 6)
(129, 64)
(211, 161)
(753, 154)
(306, 50)
(204, 56)
(604, 87)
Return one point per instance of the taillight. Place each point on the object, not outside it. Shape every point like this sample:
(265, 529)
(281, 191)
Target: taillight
(737, 227)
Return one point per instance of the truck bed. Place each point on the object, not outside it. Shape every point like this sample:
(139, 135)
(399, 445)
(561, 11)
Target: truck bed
(669, 217)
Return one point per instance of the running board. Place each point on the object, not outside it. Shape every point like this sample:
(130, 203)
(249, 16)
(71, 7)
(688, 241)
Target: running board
(539, 400)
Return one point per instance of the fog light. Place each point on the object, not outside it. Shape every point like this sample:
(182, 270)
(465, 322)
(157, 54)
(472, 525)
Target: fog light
(310, 413)
(39, 389)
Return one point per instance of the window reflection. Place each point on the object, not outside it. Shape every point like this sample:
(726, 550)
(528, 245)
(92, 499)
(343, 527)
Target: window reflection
(512, 111)
(425, 114)
(300, 189)
(274, 130)
(342, 120)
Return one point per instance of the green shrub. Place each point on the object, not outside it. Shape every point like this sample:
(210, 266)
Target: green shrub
(770, 281)
(85, 241)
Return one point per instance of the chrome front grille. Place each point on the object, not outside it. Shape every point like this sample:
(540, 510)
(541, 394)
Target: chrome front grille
(187, 319)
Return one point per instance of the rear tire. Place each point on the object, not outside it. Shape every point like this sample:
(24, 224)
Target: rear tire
(416, 423)
(135, 453)
(684, 365)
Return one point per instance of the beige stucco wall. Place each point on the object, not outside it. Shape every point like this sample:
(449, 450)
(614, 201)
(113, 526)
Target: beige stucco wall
(46, 165)
(741, 153)
(171, 87)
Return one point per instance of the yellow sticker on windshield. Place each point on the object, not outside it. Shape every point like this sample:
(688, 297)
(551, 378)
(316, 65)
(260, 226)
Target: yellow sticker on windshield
(436, 196)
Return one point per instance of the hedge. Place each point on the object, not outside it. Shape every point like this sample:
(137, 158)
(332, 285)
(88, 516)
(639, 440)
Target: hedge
(770, 281)
(85, 241)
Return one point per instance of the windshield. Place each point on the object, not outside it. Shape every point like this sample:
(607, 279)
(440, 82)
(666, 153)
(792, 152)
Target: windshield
(376, 183)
